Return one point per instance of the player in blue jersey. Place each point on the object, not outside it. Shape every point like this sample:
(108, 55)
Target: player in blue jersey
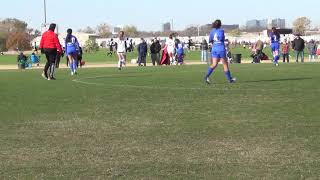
(72, 51)
(218, 53)
(275, 45)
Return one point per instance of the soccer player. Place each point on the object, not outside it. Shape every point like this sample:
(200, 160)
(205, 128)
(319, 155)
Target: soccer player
(275, 45)
(170, 44)
(180, 52)
(72, 51)
(217, 38)
(121, 50)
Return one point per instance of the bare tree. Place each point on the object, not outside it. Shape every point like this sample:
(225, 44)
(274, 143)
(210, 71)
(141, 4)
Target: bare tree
(301, 25)
(88, 30)
(104, 30)
(131, 31)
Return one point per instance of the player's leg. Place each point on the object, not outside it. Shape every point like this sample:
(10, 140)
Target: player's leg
(70, 58)
(74, 63)
(224, 60)
(214, 63)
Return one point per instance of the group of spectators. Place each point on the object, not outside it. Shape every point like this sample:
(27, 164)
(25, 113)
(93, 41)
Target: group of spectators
(24, 62)
(298, 45)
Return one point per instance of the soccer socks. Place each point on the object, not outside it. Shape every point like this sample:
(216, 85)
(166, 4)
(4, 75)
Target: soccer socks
(210, 71)
(119, 63)
(228, 75)
(71, 67)
(276, 59)
(74, 64)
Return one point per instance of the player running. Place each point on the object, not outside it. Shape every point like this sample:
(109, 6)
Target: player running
(72, 51)
(217, 38)
(275, 45)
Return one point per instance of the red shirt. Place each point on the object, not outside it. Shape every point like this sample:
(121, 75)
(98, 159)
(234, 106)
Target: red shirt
(50, 40)
(285, 48)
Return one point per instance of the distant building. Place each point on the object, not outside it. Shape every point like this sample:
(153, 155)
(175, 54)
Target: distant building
(82, 38)
(116, 30)
(264, 24)
(279, 23)
(166, 27)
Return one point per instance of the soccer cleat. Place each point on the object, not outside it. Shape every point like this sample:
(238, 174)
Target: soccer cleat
(44, 76)
(207, 80)
(53, 78)
(119, 69)
(233, 80)
(72, 73)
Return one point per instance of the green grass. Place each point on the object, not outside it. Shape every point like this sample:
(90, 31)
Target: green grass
(161, 123)
(98, 57)
(101, 57)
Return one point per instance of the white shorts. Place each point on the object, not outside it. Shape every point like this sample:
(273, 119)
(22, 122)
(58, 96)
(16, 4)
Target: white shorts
(170, 50)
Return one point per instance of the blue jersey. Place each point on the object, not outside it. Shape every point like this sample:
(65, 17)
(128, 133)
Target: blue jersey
(72, 47)
(274, 38)
(217, 39)
(179, 49)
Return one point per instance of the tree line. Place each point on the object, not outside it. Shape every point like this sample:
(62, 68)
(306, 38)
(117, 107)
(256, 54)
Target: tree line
(15, 34)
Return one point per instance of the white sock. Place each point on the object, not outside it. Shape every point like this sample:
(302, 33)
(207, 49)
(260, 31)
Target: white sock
(119, 64)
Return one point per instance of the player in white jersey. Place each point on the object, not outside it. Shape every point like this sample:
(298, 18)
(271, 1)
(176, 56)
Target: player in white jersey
(121, 50)
(170, 44)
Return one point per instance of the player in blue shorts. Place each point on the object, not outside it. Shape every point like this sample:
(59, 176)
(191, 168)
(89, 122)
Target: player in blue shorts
(218, 52)
(72, 51)
(275, 45)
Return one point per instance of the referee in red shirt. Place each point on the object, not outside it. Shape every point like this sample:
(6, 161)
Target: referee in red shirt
(50, 46)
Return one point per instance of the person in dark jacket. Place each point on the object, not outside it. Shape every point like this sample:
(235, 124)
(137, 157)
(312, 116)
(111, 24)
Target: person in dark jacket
(142, 50)
(204, 50)
(22, 60)
(298, 45)
(59, 56)
(155, 49)
(50, 46)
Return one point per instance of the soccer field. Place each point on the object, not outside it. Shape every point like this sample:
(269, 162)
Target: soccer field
(162, 123)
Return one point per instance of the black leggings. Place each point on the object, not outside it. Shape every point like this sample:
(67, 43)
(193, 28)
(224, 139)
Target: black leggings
(51, 55)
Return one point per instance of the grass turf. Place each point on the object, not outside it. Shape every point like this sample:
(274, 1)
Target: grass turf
(101, 56)
(161, 123)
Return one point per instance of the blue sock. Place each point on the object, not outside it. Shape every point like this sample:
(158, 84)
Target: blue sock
(74, 62)
(228, 75)
(276, 59)
(71, 66)
(210, 71)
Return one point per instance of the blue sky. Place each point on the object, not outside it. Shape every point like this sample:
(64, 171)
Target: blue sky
(150, 14)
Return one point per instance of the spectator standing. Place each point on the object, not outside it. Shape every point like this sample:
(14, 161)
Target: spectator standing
(59, 56)
(111, 45)
(298, 45)
(285, 49)
(50, 46)
(155, 49)
(204, 51)
(312, 50)
(142, 51)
